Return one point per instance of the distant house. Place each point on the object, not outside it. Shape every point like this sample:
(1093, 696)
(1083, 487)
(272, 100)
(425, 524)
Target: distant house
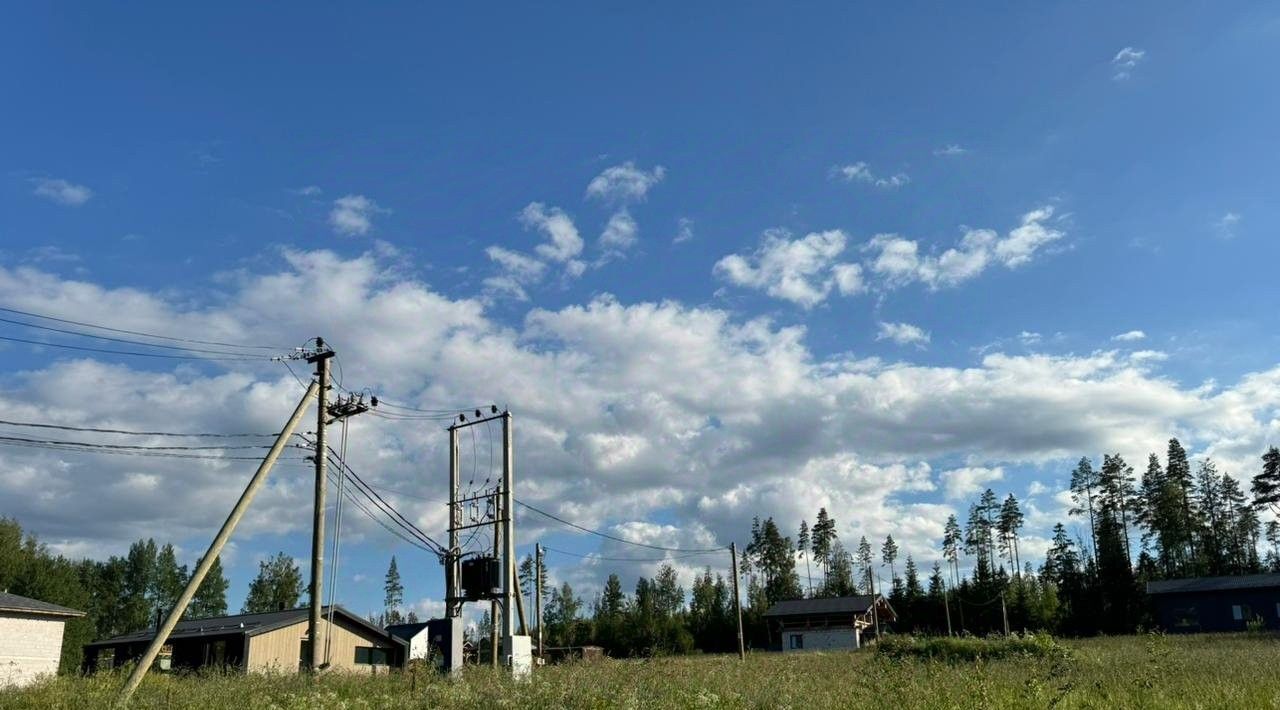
(271, 641)
(835, 622)
(30, 638)
(1216, 603)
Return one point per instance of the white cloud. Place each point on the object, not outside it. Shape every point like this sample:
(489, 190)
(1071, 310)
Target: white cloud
(1226, 227)
(620, 234)
(1129, 336)
(516, 272)
(861, 172)
(963, 483)
(898, 261)
(684, 230)
(802, 271)
(624, 183)
(903, 334)
(1125, 61)
(553, 222)
(951, 149)
(306, 191)
(605, 437)
(61, 191)
(1030, 338)
(352, 215)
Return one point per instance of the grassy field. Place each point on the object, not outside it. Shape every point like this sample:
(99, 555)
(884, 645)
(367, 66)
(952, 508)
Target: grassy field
(1212, 671)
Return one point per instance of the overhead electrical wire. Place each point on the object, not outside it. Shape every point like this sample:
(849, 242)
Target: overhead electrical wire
(141, 333)
(165, 356)
(615, 538)
(396, 516)
(593, 556)
(126, 340)
(68, 427)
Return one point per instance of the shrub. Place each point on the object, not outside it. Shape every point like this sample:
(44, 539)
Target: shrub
(969, 648)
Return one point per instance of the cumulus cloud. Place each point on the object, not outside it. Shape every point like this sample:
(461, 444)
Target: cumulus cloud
(1125, 61)
(802, 271)
(1129, 336)
(898, 261)
(61, 191)
(352, 215)
(903, 334)
(861, 172)
(624, 183)
(565, 242)
(516, 272)
(604, 436)
(620, 234)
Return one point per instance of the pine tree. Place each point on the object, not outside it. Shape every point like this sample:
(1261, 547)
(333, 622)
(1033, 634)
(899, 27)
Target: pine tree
(277, 586)
(1011, 520)
(393, 594)
(823, 533)
(889, 554)
(840, 582)
(866, 564)
(1180, 485)
(913, 589)
(1084, 481)
(802, 545)
(211, 597)
(1266, 485)
(952, 537)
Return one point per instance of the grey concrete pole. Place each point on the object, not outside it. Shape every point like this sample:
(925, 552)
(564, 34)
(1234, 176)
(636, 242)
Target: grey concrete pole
(321, 361)
(215, 548)
(508, 530)
(537, 593)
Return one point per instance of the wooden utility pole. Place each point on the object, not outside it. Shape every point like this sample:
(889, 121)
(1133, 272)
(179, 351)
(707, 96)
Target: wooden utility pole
(321, 360)
(215, 548)
(537, 593)
(737, 601)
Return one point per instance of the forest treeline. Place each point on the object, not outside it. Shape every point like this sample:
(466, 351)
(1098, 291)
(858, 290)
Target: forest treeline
(1173, 520)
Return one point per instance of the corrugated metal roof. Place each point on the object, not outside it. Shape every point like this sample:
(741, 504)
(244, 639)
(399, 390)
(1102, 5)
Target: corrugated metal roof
(26, 605)
(831, 605)
(247, 624)
(1214, 584)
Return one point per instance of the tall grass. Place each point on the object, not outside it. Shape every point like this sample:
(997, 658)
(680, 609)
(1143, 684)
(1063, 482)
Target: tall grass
(1211, 671)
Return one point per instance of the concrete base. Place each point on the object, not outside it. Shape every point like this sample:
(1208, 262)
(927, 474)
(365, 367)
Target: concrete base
(451, 646)
(517, 653)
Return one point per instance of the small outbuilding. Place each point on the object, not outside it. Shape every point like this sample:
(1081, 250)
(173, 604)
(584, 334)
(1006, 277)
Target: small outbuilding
(824, 624)
(30, 638)
(274, 641)
(1199, 604)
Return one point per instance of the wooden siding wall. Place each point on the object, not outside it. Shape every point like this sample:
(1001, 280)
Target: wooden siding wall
(278, 651)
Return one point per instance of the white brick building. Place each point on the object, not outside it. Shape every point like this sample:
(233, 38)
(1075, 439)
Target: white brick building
(30, 638)
(826, 624)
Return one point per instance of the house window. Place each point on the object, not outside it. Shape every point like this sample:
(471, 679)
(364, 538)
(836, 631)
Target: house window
(1186, 618)
(370, 656)
(797, 641)
(1237, 613)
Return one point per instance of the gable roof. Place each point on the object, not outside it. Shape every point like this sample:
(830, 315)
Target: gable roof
(407, 631)
(1214, 584)
(832, 605)
(246, 624)
(26, 605)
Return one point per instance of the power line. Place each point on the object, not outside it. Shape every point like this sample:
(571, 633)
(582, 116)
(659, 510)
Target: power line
(119, 340)
(67, 427)
(132, 447)
(615, 538)
(93, 449)
(141, 333)
(244, 358)
(397, 516)
(593, 556)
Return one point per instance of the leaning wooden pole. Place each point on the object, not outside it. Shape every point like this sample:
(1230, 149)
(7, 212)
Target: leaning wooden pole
(215, 548)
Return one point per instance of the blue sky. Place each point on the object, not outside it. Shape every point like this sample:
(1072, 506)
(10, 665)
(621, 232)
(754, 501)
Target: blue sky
(209, 162)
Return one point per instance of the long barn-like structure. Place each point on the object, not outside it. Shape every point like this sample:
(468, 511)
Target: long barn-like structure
(273, 641)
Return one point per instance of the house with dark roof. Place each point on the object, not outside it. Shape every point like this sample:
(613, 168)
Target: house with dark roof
(830, 623)
(1216, 603)
(30, 638)
(274, 641)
